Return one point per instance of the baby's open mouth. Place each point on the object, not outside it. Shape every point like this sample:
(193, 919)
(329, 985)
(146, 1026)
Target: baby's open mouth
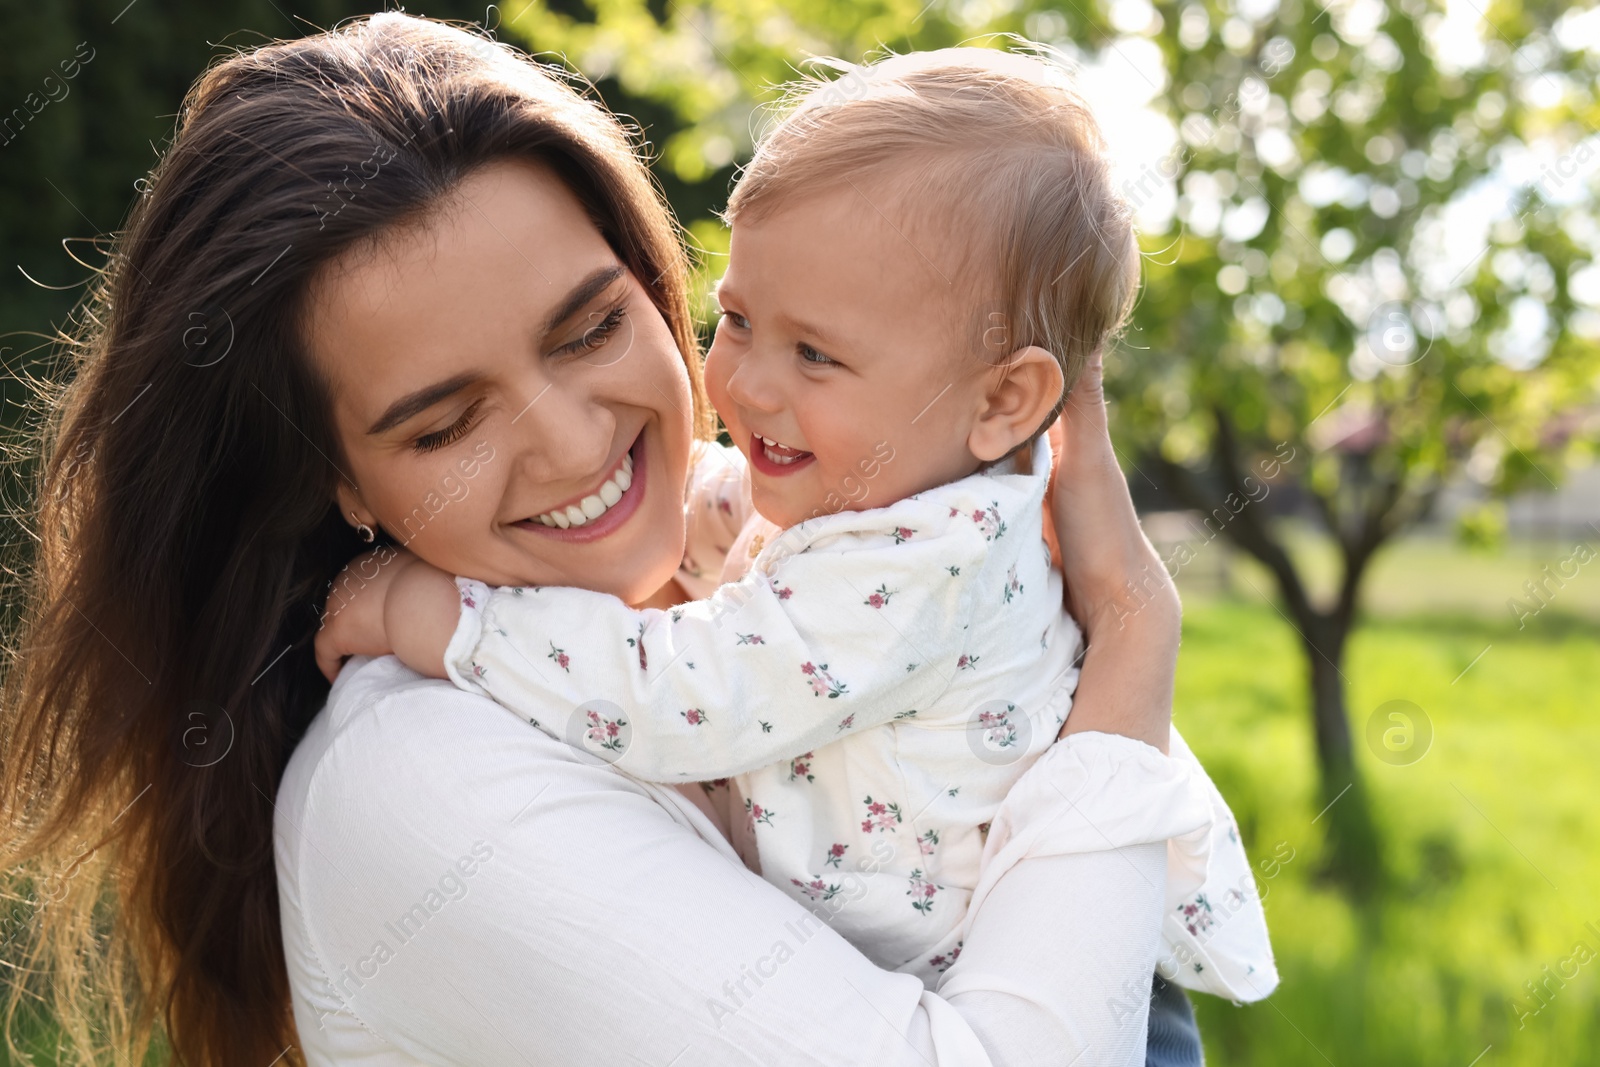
(777, 453)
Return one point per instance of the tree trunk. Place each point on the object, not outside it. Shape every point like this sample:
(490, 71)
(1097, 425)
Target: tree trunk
(1354, 856)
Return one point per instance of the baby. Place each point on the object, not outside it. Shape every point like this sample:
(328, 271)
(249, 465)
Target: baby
(924, 254)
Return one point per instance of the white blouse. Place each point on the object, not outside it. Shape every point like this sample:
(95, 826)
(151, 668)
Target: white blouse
(458, 887)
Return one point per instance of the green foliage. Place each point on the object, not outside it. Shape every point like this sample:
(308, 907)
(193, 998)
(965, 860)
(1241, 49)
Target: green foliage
(1483, 526)
(1426, 974)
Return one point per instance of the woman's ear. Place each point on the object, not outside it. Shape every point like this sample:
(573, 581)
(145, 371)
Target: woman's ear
(1022, 391)
(350, 506)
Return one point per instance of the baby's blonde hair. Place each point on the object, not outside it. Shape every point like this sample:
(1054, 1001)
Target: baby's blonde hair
(998, 140)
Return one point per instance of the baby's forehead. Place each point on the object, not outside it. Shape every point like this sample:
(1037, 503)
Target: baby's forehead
(916, 255)
(957, 243)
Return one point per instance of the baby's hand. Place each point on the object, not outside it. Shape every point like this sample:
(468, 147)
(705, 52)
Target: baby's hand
(420, 616)
(352, 621)
(389, 601)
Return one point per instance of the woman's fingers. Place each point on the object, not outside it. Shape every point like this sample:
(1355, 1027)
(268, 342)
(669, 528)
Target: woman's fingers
(1104, 547)
(1125, 685)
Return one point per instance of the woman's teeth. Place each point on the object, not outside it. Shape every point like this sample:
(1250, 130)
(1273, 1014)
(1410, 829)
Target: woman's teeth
(780, 454)
(595, 504)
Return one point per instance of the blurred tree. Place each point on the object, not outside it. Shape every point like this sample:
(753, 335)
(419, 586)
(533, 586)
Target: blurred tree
(1373, 291)
(1370, 228)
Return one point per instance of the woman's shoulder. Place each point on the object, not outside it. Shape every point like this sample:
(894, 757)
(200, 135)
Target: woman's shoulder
(392, 736)
(410, 803)
(397, 768)
(379, 712)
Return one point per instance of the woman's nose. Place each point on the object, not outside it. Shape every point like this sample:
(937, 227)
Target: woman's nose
(560, 433)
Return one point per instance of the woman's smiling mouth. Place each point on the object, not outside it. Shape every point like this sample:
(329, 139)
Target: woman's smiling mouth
(599, 512)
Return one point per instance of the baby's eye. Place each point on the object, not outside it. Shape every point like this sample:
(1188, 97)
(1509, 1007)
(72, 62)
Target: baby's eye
(736, 319)
(811, 355)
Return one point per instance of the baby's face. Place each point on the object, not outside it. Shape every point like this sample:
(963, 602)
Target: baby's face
(844, 365)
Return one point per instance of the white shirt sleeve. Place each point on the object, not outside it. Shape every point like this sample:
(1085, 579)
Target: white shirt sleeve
(458, 888)
(762, 670)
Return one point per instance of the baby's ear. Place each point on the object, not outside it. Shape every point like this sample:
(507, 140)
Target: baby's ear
(1022, 391)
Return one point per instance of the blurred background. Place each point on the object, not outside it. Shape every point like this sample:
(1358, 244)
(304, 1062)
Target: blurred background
(1359, 407)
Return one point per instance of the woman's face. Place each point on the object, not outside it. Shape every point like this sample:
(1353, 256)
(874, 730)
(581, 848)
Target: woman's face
(510, 404)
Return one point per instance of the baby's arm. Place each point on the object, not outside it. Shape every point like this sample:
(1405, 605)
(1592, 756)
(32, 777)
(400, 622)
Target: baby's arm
(420, 613)
(850, 631)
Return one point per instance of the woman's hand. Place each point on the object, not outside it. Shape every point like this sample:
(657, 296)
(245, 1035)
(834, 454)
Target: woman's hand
(1117, 586)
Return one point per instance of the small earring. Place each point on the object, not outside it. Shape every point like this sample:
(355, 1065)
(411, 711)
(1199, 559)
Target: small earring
(363, 530)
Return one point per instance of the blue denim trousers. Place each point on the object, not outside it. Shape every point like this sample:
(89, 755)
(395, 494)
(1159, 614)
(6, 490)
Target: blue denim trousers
(1174, 1037)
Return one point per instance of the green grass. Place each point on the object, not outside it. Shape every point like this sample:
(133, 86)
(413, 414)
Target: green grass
(1492, 839)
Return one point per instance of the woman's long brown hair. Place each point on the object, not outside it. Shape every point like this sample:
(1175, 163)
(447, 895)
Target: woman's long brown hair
(184, 525)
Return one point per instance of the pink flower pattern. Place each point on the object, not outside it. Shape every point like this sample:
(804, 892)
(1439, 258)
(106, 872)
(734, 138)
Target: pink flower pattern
(921, 891)
(800, 767)
(880, 596)
(942, 962)
(694, 717)
(822, 683)
(604, 732)
(881, 815)
(901, 534)
(755, 813)
(817, 889)
(998, 729)
(989, 522)
(1197, 915)
(1013, 586)
(560, 656)
(928, 842)
(835, 854)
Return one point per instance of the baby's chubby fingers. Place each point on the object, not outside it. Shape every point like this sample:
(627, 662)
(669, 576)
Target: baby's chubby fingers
(352, 620)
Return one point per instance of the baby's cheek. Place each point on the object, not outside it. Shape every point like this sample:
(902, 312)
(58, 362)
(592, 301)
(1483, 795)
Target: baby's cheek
(716, 376)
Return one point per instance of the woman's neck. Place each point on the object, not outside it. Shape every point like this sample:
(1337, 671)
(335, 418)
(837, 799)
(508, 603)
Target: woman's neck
(669, 595)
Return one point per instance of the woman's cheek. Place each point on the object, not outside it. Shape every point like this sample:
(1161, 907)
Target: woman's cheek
(450, 515)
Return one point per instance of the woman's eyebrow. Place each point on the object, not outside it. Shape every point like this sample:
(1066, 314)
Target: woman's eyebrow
(419, 401)
(581, 294)
(424, 398)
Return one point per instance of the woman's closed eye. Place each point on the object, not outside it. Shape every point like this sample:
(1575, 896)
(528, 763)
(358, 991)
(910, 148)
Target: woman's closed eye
(432, 442)
(597, 335)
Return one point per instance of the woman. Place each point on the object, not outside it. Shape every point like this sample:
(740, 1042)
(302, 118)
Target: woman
(374, 287)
